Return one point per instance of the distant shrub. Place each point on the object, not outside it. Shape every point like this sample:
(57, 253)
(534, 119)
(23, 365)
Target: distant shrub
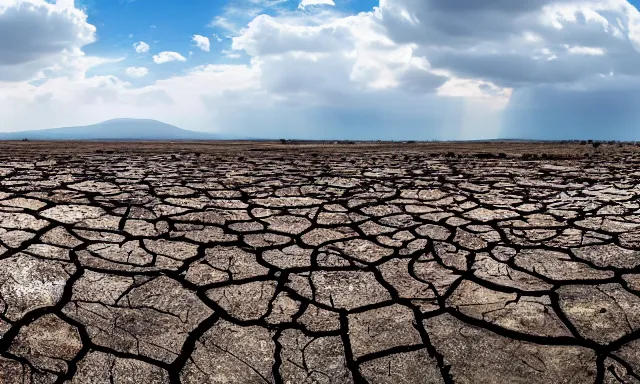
(283, 141)
(596, 144)
(241, 158)
(411, 142)
(583, 142)
(590, 141)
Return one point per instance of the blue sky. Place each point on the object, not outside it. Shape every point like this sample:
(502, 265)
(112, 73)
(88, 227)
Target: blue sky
(164, 24)
(370, 69)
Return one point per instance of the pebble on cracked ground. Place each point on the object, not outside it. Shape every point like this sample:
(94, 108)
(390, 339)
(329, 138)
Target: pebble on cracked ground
(366, 263)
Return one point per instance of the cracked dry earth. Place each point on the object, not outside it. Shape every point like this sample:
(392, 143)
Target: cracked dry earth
(336, 268)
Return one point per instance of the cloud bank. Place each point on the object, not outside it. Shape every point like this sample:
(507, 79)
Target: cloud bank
(419, 69)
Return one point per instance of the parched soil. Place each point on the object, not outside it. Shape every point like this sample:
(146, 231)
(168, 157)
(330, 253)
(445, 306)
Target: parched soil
(269, 263)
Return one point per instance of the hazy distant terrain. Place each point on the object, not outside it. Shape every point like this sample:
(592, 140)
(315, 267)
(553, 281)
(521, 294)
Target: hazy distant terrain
(117, 129)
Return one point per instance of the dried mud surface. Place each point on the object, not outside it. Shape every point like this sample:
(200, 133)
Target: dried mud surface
(266, 263)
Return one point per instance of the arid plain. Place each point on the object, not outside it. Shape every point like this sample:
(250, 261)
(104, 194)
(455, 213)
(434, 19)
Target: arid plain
(236, 262)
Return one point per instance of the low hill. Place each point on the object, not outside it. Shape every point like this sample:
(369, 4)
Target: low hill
(117, 129)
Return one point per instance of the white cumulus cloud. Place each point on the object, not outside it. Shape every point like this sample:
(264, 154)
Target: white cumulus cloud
(37, 36)
(136, 71)
(306, 3)
(595, 51)
(201, 42)
(168, 56)
(518, 43)
(141, 47)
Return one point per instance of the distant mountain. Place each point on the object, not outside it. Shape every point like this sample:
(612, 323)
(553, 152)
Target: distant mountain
(117, 129)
